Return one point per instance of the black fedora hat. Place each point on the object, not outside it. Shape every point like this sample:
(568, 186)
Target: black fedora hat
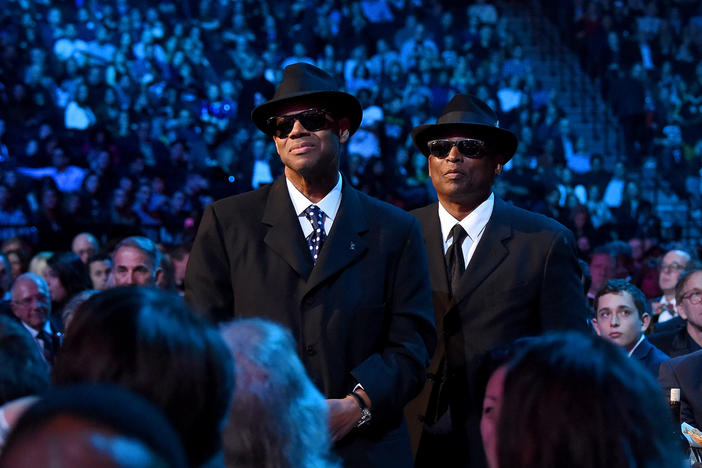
(467, 114)
(302, 80)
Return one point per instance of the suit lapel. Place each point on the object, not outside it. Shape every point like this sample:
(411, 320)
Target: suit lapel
(489, 253)
(641, 350)
(345, 242)
(434, 243)
(284, 235)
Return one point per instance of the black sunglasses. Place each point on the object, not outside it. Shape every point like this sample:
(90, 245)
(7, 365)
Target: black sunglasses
(469, 147)
(313, 120)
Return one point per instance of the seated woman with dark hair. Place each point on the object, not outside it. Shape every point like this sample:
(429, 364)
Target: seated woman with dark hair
(147, 341)
(66, 276)
(573, 400)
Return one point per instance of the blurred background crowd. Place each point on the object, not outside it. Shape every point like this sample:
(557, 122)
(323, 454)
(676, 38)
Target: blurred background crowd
(127, 118)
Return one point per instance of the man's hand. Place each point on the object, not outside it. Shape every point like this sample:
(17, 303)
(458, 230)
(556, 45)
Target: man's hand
(343, 415)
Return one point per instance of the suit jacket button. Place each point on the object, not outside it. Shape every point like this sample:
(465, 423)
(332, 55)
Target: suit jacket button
(310, 351)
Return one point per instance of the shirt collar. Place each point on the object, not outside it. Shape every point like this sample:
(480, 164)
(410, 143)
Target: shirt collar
(474, 223)
(34, 333)
(329, 204)
(636, 345)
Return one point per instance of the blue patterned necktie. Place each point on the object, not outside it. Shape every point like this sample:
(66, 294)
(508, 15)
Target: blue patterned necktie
(315, 240)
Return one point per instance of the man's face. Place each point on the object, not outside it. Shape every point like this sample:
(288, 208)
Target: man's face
(133, 267)
(99, 273)
(457, 177)
(673, 263)
(31, 303)
(307, 154)
(83, 247)
(693, 312)
(601, 269)
(617, 320)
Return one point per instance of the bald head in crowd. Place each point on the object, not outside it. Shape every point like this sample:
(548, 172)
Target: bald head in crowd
(136, 261)
(85, 245)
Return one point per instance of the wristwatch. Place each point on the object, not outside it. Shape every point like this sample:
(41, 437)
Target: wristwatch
(365, 412)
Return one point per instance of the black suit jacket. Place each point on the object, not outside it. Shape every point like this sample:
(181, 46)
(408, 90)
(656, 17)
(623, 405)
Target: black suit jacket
(522, 280)
(362, 314)
(675, 342)
(650, 356)
(685, 373)
(674, 324)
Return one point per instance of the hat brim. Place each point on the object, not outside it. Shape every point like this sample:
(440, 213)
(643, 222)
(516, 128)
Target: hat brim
(342, 105)
(505, 141)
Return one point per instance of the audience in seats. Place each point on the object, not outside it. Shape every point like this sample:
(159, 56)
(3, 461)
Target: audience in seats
(147, 341)
(576, 399)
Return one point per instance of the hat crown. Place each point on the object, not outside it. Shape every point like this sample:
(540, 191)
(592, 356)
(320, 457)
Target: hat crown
(300, 78)
(467, 109)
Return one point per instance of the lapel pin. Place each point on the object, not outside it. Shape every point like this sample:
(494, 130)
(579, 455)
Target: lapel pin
(352, 245)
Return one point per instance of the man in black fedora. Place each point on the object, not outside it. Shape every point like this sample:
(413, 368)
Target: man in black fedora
(346, 273)
(497, 273)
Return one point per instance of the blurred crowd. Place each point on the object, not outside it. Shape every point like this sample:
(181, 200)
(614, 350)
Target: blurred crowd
(128, 118)
(122, 120)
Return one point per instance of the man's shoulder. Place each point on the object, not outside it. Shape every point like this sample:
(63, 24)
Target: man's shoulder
(381, 212)
(253, 200)
(663, 338)
(671, 342)
(426, 212)
(653, 353)
(522, 219)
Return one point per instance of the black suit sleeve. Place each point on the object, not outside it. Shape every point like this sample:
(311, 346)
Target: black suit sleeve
(562, 304)
(207, 287)
(395, 375)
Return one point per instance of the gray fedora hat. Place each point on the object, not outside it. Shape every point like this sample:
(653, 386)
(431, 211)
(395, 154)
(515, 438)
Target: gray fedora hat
(466, 114)
(305, 81)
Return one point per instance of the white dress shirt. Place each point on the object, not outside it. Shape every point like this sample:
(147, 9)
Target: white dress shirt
(474, 225)
(665, 315)
(329, 206)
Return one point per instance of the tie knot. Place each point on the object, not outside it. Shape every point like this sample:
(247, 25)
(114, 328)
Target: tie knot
(458, 233)
(315, 215)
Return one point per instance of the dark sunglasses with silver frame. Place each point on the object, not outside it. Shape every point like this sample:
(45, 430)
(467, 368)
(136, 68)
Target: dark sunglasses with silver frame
(313, 120)
(468, 147)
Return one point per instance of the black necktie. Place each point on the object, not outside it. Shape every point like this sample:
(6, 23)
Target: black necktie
(455, 265)
(47, 346)
(315, 240)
